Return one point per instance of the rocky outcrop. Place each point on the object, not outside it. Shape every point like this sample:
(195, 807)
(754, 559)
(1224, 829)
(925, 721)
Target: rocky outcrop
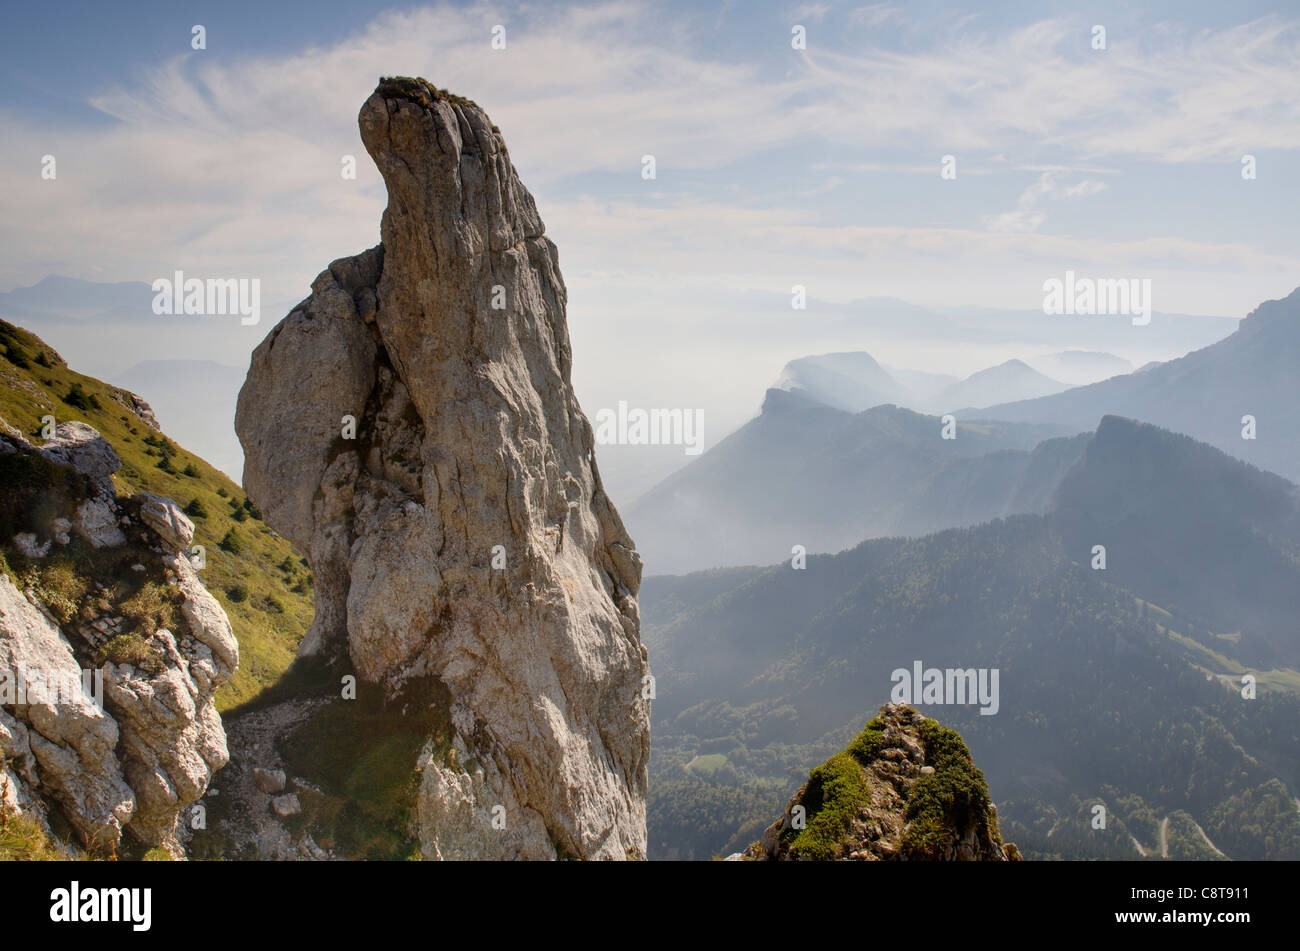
(53, 729)
(905, 790)
(142, 409)
(80, 447)
(166, 518)
(113, 725)
(412, 427)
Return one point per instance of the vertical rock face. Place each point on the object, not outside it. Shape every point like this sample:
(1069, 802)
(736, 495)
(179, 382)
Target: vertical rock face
(463, 535)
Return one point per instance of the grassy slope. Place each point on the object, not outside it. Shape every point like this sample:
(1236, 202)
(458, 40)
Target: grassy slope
(270, 621)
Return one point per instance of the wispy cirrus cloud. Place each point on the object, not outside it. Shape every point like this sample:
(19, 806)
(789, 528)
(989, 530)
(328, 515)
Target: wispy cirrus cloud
(1029, 213)
(230, 164)
(1167, 95)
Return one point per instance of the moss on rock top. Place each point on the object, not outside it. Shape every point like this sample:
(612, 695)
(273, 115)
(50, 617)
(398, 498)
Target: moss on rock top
(415, 89)
(906, 788)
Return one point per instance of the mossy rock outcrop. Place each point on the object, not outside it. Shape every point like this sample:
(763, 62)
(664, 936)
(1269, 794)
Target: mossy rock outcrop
(906, 789)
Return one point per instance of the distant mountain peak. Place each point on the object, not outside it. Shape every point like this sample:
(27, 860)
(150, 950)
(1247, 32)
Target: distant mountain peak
(1207, 394)
(995, 384)
(848, 380)
(779, 400)
(1283, 308)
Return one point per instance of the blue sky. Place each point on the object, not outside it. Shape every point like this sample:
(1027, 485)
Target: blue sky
(845, 135)
(775, 166)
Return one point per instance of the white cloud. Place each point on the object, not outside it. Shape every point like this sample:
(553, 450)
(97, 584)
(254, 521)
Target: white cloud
(1028, 215)
(877, 14)
(812, 10)
(1163, 95)
(231, 167)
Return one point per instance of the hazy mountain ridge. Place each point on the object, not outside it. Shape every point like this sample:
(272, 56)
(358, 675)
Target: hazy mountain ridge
(1013, 379)
(854, 382)
(1193, 529)
(1204, 394)
(849, 381)
(802, 473)
(1106, 696)
(1078, 367)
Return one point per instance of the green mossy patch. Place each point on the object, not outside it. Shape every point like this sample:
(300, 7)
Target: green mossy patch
(360, 756)
(134, 650)
(836, 792)
(954, 796)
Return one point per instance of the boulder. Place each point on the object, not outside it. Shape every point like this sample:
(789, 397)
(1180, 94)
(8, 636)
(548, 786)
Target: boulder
(68, 743)
(96, 521)
(269, 780)
(287, 805)
(80, 446)
(166, 519)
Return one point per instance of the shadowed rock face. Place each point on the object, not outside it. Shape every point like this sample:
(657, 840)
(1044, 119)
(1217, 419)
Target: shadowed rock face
(464, 534)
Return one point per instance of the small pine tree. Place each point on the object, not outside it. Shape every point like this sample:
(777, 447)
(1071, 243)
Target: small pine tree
(15, 356)
(76, 397)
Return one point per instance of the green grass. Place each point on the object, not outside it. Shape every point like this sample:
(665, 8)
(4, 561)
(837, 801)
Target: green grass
(361, 755)
(708, 764)
(132, 649)
(268, 637)
(955, 795)
(23, 840)
(837, 790)
(1216, 664)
